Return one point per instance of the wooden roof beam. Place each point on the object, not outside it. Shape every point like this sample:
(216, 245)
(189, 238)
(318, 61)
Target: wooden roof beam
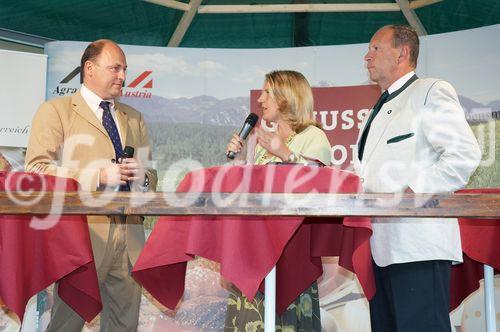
(299, 8)
(293, 8)
(415, 4)
(412, 17)
(184, 23)
(171, 4)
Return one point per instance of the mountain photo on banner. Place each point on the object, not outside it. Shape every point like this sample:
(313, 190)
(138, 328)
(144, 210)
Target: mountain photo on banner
(197, 128)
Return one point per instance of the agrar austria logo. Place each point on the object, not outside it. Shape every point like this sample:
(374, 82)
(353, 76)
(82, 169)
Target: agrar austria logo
(64, 87)
(140, 87)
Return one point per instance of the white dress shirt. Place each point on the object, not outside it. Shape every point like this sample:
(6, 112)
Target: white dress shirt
(400, 82)
(93, 101)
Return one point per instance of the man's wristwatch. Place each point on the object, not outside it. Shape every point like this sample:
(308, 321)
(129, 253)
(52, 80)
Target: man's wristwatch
(292, 158)
(145, 186)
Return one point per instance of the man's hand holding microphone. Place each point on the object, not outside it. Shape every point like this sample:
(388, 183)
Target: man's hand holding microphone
(123, 171)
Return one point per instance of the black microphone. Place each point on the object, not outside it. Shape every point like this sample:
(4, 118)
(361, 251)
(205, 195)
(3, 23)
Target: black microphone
(250, 122)
(128, 152)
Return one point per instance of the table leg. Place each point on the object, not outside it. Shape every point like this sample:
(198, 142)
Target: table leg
(30, 321)
(489, 298)
(270, 302)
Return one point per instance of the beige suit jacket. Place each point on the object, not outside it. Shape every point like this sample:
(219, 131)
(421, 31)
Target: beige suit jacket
(68, 140)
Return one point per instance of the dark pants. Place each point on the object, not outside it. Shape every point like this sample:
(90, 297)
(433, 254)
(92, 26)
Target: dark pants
(412, 297)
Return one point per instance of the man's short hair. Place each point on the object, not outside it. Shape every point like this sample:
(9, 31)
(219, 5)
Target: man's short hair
(406, 35)
(90, 54)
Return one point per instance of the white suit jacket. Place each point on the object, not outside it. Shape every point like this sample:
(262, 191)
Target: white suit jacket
(421, 139)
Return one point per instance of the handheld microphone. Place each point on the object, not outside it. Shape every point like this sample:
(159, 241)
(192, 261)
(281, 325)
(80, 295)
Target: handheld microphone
(128, 152)
(250, 122)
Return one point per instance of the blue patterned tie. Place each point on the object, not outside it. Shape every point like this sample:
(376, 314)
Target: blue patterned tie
(109, 124)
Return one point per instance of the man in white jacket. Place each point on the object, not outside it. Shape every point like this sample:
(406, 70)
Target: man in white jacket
(416, 140)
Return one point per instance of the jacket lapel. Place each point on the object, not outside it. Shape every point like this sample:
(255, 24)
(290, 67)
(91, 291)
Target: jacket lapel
(122, 119)
(81, 107)
(387, 114)
(389, 111)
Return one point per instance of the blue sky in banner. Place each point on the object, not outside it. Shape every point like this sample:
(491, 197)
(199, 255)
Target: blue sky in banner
(469, 59)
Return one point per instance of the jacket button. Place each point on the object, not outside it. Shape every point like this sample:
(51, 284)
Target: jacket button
(362, 180)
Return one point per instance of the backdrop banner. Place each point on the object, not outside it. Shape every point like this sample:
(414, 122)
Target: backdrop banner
(22, 90)
(194, 99)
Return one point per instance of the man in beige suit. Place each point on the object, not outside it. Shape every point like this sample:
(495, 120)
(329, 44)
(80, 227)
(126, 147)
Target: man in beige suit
(82, 136)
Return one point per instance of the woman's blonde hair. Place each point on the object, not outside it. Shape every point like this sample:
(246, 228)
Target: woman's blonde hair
(294, 97)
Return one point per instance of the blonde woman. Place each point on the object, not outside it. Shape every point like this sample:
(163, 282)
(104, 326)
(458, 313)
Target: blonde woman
(286, 101)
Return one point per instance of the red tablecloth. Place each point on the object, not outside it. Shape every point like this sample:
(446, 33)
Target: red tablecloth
(32, 258)
(248, 247)
(480, 245)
